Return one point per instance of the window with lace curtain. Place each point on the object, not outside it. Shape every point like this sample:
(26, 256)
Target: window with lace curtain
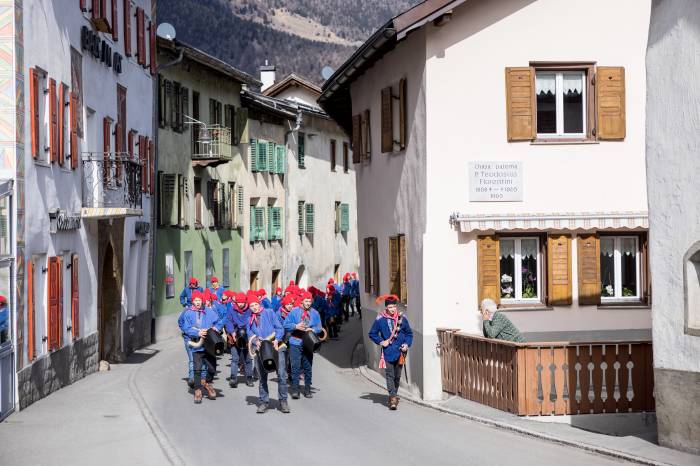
(619, 268)
(561, 103)
(519, 268)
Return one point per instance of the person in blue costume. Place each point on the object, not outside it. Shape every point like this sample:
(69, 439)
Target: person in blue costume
(264, 324)
(277, 299)
(356, 294)
(346, 297)
(186, 295)
(196, 322)
(4, 320)
(236, 320)
(302, 319)
(393, 333)
(216, 288)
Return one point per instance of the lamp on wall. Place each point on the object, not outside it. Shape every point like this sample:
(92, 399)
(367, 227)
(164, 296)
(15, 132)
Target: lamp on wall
(204, 135)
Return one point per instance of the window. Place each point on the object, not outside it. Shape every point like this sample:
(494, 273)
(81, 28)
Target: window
(300, 217)
(275, 280)
(182, 200)
(127, 27)
(55, 302)
(398, 284)
(371, 278)
(169, 276)
(561, 98)
(519, 269)
(274, 223)
(310, 221)
(342, 217)
(198, 203)
(692, 291)
(389, 123)
(346, 157)
(226, 268)
(209, 265)
(257, 223)
(301, 150)
(140, 37)
(39, 118)
(168, 199)
(188, 266)
(332, 155)
(619, 268)
(214, 194)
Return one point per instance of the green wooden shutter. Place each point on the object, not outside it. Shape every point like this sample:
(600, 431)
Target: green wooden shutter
(270, 227)
(253, 155)
(301, 150)
(260, 222)
(277, 222)
(262, 156)
(344, 217)
(239, 202)
(309, 218)
(252, 223)
(281, 150)
(300, 213)
(271, 157)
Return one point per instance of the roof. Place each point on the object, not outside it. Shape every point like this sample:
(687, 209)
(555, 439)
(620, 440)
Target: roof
(278, 107)
(335, 96)
(203, 58)
(292, 80)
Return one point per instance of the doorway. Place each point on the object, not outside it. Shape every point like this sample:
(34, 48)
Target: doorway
(301, 278)
(254, 281)
(275, 280)
(110, 306)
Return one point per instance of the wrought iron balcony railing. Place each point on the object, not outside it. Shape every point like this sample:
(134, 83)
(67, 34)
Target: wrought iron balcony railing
(211, 143)
(111, 184)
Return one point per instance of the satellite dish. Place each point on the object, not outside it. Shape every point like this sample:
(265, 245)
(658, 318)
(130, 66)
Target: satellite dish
(166, 31)
(327, 72)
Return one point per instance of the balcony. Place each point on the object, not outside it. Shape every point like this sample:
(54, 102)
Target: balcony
(548, 378)
(111, 185)
(211, 145)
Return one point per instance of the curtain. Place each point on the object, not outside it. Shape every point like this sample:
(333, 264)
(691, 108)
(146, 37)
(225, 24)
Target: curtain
(545, 83)
(573, 84)
(507, 248)
(528, 248)
(607, 247)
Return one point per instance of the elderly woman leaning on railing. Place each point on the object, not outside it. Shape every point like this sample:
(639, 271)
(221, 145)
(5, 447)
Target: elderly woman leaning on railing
(497, 325)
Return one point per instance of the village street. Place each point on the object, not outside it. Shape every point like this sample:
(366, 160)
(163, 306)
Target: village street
(345, 423)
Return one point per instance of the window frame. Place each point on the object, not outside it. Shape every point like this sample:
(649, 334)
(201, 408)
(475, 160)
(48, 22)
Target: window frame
(588, 67)
(169, 287)
(617, 265)
(517, 277)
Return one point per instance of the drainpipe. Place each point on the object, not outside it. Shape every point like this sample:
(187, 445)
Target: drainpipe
(152, 245)
(286, 194)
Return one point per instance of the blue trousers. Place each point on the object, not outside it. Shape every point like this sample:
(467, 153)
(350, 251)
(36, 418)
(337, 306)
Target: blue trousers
(236, 355)
(301, 361)
(282, 390)
(190, 372)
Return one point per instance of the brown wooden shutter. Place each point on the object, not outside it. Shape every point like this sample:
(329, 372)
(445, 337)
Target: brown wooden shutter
(394, 278)
(588, 247)
(356, 139)
(140, 40)
(130, 144)
(610, 102)
(106, 127)
(115, 21)
(54, 297)
(152, 42)
(127, 27)
(144, 164)
(83, 5)
(402, 113)
(366, 138)
(95, 9)
(375, 266)
(520, 104)
(74, 108)
(61, 123)
(152, 165)
(74, 297)
(559, 269)
(488, 268)
(387, 121)
(368, 266)
(118, 149)
(31, 349)
(34, 93)
(53, 118)
(403, 281)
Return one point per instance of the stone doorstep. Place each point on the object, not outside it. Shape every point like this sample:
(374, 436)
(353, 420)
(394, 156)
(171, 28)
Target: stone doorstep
(375, 378)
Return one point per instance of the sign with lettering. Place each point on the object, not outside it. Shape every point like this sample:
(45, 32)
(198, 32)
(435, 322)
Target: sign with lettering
(60, 220)
(91, 42)
(495, 181)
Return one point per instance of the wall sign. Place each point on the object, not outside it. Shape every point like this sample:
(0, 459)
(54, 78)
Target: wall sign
(91, 42)
(60, 220)
(142, 228)
(495, 181)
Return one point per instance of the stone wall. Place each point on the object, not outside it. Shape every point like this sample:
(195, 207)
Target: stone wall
(58, 369)
(136, 332)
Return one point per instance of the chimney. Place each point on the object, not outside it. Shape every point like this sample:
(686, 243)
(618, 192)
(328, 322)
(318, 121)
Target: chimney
(267, 75)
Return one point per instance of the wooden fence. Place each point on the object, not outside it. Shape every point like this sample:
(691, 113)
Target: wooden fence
(548, 378)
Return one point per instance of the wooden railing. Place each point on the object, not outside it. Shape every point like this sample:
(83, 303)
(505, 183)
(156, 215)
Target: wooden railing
(548, 378)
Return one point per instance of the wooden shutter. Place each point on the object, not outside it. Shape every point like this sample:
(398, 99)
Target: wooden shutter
(375, 266)
(588, 255)
(332, 154)
(301, 150)
(34, 93)
(368, 266)
(184, 107)
(366, 136)
(115, 21)
(610, 102)
(300, 217)
(140, 40)
(559, 269)
(53, 115)
(346, 158)
(152, 46)
(356, 138)
(310, 220)
(61, 123)
(74, 297)
(74, 109)
(127, 27)
(387, 121)
(394, 278)
(107, 166)
(253, 155)
(271, 154)
(95, 9)
(489, 268)
(130, 143)
(403, 281)
(31, 349)
(402, 113)
(167, 199)
(152, 165)
(83, 5)
(262, 156)
(54, 282)
(118, 149)
(240, 199)
(344, 217)
(144, 164)
(520, 104)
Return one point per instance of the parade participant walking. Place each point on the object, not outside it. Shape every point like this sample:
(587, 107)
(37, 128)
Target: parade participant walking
(302, 319)
(236, 324)
(346, 296)
(188, 350)
(356, 293)
(197, 320)
(393, 333)
(264, 301)
(186, 295)
(263, 324)
(277, 299)
(217, 289)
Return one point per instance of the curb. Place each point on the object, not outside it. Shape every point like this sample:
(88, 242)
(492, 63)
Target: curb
(516, 429)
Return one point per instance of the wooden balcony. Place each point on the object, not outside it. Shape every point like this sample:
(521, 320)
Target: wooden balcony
(548, 378)
(211, 145)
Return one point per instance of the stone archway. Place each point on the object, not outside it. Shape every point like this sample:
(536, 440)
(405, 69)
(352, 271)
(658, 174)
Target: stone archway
(109, 297)
(302, 277)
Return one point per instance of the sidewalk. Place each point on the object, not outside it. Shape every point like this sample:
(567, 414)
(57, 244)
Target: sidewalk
(638, 448)
(97, 420)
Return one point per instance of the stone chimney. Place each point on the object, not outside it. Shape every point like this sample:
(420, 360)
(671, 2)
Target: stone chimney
(267, 75)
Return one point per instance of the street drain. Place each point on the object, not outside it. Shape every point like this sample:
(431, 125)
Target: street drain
(110, 416)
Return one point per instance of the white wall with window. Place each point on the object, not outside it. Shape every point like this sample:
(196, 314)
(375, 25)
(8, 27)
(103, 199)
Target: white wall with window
(561, 109)
(619, 268)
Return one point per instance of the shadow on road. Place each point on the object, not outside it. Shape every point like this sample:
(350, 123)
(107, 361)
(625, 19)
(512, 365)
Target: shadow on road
(376, 398)
(140, 356)
(339, 352)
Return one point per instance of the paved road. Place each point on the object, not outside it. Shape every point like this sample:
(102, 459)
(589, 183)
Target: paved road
(346, 422)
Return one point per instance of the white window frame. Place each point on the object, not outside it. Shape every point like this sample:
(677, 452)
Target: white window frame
(617, 258)
(518, 277)
(559, 106)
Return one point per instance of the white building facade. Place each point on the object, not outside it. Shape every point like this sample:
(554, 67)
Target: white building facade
(500, 160)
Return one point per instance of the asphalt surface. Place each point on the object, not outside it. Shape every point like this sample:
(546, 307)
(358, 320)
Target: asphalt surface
(347, 421)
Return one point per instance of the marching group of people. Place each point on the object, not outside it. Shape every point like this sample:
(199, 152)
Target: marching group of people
(264, 335)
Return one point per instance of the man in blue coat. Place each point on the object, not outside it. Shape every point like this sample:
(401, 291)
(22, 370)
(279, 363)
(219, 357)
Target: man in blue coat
(186, 295)
(196, 321)
(264, 324)
(237, 319)
(216, 288)
(299, 320)
(393, 333)
(188, 350)
(356, 293)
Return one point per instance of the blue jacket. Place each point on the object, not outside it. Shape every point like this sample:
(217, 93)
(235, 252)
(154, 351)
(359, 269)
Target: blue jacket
(276, 303)
(193, 321)
(4, 319)
(319, 304)
(265, 303)
(381, 330)
(264, 324)
(186, 295)
(355, 288)
(222, 310)
(218, 292)
(313, 320)
(333, 308)
(346, 289)
(235, 320)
